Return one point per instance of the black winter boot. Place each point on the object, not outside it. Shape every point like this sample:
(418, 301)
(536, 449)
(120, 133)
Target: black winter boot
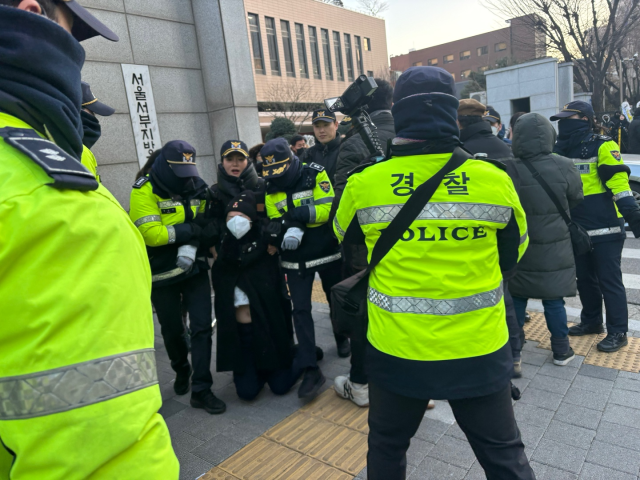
(585, 329)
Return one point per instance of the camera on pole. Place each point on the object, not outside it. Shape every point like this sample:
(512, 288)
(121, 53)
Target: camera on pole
(351, 104)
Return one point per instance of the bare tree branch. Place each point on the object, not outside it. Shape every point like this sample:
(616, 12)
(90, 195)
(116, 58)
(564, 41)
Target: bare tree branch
(291, 99)
(373, 7)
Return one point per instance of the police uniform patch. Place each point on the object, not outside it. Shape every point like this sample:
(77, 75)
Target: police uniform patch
(325, 186)
(140, 182)
(616, 154)
(315, 166)
(66, 171)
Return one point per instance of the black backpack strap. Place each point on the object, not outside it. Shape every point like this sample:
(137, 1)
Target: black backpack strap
(547, 189)
(410, 211)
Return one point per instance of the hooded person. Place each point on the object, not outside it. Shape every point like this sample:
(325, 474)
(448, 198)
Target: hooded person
(608, 202)
(77, 371)
(236, 174)
(165, 206)
(547, 270)
(298, 201)
(436, 313)
(255, 333)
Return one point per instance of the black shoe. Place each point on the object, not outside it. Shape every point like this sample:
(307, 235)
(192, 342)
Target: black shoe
(182, 383)
(311, 382)
(527, 317)
(585, 329)
(344, 347)
(613, 342)
(319, 354)
(564, 358)
(208, 401)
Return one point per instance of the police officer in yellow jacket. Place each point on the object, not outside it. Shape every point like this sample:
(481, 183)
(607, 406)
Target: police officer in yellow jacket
(435, 302)
(78, 384)
(91, 107)
(166, 205)
(298, 202)
(607, 199)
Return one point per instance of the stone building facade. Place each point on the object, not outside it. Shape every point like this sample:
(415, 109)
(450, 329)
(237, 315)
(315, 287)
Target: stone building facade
(198, 56)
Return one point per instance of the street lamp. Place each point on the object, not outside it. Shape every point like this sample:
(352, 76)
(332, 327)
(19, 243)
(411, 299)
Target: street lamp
(635, 57)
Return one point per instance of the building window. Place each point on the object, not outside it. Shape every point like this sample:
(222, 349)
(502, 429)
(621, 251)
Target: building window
(272, 43)
(416, 64)
(465, 55)
(432, 61)
(326, 51)
(349, 54)
(337, 50)
(315, 53)
(287, 47)
(501, 47)
(256, 44)
(367, 44)
(447, 59)
(359, 55)
(369, 73)
(465, 73)
(483, 69)
(302, 51)
(483, 51)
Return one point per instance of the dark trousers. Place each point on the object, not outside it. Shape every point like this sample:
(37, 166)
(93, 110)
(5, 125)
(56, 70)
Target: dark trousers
(515, 330)
(250, 382)
(196, 294)
(488, 422)
(600, 276)
(358, 338)
(300, 289)
(329, 276)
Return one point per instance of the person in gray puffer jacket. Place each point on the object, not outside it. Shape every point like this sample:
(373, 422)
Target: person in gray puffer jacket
(547, 270)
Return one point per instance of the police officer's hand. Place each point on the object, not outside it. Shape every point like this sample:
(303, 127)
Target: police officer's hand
(300, 214)
(186, 257)
(292, 239)
(196, 230)
(634, 222)
(185, 263)
(210, 233)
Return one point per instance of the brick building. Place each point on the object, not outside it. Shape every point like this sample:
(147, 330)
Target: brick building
(518, 42)
(304, 51)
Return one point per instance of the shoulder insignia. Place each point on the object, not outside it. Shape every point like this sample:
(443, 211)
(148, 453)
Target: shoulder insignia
(325, 186)
(65, 170)
(616, 154)
(496, 163)
(601, 138)
(315, 166)
(140, 182)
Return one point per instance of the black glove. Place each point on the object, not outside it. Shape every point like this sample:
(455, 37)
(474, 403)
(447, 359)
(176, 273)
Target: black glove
(633, 219)
(272, 232)
(210, 233)
(196, 230)
(300, 214)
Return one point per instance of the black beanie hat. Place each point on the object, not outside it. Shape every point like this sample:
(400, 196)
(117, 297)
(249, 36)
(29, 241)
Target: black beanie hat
(244, 203)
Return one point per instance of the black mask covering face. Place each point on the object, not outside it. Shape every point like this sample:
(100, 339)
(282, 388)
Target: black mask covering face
(91, 127)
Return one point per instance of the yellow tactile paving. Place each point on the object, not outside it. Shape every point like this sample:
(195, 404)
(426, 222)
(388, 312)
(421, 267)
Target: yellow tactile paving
(329, 406)
(536, 329)
(318, 294)
(581, 345)
(216, 474)
(264, 459)
(627, 358)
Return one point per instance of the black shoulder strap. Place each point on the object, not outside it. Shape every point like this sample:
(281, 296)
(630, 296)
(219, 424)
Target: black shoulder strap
(66, 171)
(547, 189)
(410, 211)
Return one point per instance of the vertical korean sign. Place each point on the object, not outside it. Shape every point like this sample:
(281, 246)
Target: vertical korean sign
(142, 110)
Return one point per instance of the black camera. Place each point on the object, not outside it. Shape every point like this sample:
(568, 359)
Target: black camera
(351, 104)
(354, 98)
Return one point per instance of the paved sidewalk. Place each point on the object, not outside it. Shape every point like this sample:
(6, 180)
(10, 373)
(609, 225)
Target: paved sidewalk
(577, 422)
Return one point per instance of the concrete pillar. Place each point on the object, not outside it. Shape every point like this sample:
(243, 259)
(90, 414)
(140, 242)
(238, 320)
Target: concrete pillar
(227, 70)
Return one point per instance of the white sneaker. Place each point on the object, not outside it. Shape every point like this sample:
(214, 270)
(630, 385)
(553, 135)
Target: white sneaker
(358, 393)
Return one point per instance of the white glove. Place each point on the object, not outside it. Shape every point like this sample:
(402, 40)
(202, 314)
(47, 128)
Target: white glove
(186, 257)
(292, 238)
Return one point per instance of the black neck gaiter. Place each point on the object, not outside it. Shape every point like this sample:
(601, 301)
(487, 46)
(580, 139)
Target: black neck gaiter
(571, 132)
(40, 66)
(91, 128)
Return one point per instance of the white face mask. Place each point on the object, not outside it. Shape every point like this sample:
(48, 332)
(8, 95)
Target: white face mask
(239, 226)
(494, 130)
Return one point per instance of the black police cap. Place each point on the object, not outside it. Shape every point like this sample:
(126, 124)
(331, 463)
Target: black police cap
(91, 103)
(323, 116)
(181, 157)
(231, 146)
(276, 157)
(87, 26)
(583, 109)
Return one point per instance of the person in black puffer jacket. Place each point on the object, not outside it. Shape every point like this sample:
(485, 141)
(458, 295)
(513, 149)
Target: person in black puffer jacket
(634, 133)
(325, 151)
(236, 174)
(476, 134)
(547, 270)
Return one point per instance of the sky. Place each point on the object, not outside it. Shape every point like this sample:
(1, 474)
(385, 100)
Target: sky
(425, 23)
